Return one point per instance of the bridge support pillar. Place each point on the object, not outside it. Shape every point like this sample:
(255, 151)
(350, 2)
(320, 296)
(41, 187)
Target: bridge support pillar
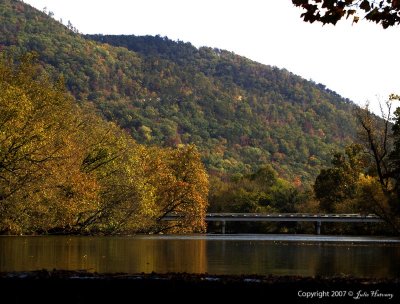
(223, 227)
(318, 227)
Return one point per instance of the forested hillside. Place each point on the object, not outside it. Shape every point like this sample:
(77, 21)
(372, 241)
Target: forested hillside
(241, 114)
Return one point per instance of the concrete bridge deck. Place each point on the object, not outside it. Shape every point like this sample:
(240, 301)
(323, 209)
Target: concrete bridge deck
(318, 219)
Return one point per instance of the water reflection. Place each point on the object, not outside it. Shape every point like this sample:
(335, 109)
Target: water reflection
(215, 255)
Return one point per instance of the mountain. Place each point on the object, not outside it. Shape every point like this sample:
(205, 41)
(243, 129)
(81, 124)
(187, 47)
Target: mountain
(240, 113)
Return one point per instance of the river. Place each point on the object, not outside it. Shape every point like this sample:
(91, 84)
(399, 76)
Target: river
(304, 255)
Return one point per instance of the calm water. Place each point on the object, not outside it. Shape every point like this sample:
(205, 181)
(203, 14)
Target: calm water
(214, 254)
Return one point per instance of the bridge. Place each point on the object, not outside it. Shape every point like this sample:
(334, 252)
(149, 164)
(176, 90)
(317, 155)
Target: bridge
(318, 219)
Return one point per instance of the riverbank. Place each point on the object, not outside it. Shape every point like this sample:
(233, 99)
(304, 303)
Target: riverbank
(60, 286)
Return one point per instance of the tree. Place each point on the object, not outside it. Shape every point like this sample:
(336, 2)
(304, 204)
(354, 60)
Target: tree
(394, 157)
(41, 184)
(181, 187)
(338, 183)
(125, 202)
(380, 185)
(374, 134)
(384, 12)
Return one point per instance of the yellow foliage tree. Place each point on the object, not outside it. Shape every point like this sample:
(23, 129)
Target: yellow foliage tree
(374, 199)
(181, 184)
(41, 186)
(126, 201)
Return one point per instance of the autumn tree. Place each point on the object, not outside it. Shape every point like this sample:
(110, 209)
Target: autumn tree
(181, 187)
(384, 12)
(41, 185)
(112, 157)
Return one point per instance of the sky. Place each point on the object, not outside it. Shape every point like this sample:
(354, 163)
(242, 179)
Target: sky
(360, 61)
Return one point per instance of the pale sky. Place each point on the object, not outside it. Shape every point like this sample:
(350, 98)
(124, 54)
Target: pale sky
(360, 62)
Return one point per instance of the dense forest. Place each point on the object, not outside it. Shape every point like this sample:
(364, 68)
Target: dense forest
(241, 114)
(265, 136)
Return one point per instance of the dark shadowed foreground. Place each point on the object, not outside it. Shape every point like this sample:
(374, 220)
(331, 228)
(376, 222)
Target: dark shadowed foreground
(59, 286)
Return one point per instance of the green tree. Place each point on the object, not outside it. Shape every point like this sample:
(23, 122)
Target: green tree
(339, 183)
(261, 191)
